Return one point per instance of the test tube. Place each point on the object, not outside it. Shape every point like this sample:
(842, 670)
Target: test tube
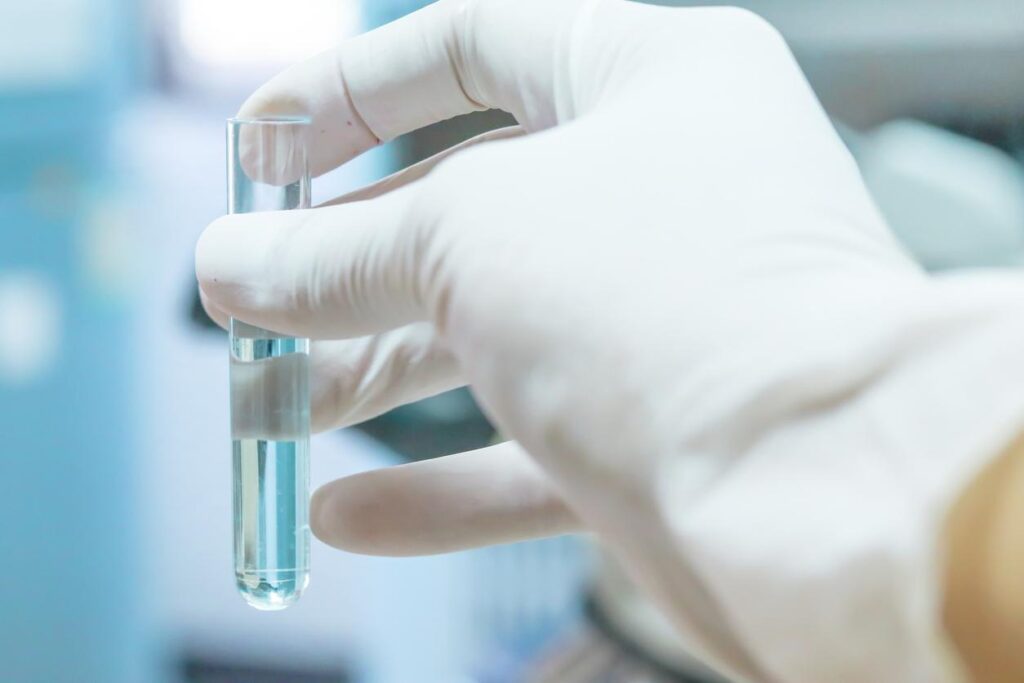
(269, 378)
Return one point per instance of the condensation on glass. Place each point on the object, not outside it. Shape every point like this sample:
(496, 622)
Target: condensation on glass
(269, 375)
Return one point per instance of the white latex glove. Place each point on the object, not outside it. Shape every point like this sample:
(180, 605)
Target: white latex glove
(675, 295)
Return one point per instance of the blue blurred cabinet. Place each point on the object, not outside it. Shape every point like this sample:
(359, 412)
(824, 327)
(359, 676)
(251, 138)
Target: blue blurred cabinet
(69, 546)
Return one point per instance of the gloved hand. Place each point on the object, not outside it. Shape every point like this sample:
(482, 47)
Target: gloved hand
(671, 289)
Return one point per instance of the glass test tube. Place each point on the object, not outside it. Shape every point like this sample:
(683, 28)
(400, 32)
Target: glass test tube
(269, 376)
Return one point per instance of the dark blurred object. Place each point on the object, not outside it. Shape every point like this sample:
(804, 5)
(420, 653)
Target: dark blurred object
(601, 652)
(203, 670)
(448, 423)
(440, 136)
(196, 312)
(622, 638)
(1008, 137)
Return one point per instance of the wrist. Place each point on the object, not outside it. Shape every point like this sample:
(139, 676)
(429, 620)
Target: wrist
(983, 602)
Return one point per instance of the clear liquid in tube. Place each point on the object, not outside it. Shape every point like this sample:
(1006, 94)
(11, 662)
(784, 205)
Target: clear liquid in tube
(270, 454)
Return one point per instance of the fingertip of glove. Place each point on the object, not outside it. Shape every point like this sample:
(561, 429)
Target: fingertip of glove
(315, 89)
(217, 259)
(361, 514)
(335, 517)
(320, 516)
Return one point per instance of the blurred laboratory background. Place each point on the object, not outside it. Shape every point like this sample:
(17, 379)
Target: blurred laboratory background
(115, 491)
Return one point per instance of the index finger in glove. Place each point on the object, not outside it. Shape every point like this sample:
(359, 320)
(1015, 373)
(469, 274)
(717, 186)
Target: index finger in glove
(451, 57)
